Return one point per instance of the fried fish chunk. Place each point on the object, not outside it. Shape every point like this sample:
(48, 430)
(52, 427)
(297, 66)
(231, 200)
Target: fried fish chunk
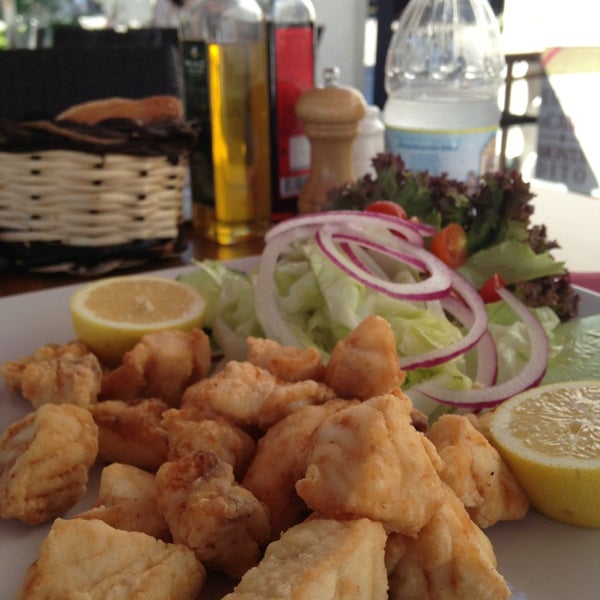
(251, 396)
(281, 460)
(188, 432)
(320, 559)
(92, 560)
(369, 461)
(225, 525)
(45, 460)
(127, 500)
(56, 374)
(365, 363)
(132, 433)
(476, 472)
(161, 366)
(450, 559)
(286, 362)
(12, 370)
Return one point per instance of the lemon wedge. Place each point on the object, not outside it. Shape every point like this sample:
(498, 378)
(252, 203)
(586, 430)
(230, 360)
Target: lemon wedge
(550, 438)
(112, 314)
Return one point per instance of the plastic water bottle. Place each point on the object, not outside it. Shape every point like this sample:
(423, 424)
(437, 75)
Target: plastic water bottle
(443, 73)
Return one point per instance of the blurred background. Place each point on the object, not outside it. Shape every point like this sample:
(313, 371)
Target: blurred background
(548, 120)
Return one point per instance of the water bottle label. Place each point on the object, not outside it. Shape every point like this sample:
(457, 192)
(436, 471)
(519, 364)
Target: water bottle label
(463, 155)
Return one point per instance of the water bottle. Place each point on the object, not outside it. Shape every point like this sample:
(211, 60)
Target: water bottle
(291, 44)
(443, 73)
(225, 58)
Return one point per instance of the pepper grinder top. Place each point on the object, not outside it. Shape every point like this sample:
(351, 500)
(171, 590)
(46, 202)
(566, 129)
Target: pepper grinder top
(331, 115)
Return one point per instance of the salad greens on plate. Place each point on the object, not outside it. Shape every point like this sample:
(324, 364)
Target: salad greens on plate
(495, 214)
(321, 294)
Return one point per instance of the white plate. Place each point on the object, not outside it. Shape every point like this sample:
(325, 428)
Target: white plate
(542, 559)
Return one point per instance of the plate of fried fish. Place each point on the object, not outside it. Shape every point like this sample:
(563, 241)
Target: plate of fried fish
(267, 474)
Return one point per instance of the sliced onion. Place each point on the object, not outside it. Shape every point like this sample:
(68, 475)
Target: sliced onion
(530, 376)
(487, 354)
(476, 305)
(340, 235)
(267, 309)
(434, 287)
(412, 231)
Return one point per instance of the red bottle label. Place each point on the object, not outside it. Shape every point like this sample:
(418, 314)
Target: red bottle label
(292, 64)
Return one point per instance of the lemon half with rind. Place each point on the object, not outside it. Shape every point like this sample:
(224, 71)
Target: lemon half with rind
(112, 314)
(550, 438)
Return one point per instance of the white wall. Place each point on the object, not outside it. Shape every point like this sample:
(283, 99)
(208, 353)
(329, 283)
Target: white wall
(342, 43)
(532, 25)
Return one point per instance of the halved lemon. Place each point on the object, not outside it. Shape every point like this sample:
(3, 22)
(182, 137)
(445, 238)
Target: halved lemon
(111, 315)
(550, 438)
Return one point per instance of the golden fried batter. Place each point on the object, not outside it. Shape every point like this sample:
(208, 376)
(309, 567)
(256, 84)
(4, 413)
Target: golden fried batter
(476, 472)
(132, 433)
(161, 366)
(127, 500)
(450, 559)
(281, 460)
(44, 462)
(237, 392)
(365, 363)
(286, 362)
(189, 432)
(12, 371)
(56, 374)
(225, 525)
(251, 396)
(369, 461)
(81, 559)
(320, 559)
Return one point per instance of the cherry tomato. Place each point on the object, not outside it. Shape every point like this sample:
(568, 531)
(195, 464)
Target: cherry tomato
(489, 290)
(387, 207)
(450, 245)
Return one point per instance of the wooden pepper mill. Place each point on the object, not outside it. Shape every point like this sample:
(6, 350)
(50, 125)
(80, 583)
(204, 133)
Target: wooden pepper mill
(331, 116)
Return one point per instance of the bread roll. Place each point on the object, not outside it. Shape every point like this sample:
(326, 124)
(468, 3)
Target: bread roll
(144, 111)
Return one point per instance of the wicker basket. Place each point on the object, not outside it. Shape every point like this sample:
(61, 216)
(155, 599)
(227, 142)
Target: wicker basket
(82, 199)
(87, 199)
(68, 210)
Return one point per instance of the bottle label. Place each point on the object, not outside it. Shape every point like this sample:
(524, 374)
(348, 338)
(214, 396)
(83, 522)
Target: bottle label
(292, 74)
(462, 155)
(197, 108)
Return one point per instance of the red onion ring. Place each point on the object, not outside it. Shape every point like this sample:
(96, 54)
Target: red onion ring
(474, 302)
(487, 354)
(412, 231)
(434, 287)
(530, 376)
(340, 235)
(267, 309)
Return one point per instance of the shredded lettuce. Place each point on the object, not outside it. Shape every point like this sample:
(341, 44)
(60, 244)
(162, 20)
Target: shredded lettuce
(323, 305)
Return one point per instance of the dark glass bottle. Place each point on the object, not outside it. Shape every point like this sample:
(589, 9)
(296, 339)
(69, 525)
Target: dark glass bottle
(292, 45)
